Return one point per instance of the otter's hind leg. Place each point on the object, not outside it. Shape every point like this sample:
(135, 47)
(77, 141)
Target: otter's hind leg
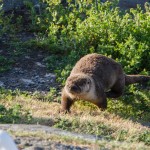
(118, 88)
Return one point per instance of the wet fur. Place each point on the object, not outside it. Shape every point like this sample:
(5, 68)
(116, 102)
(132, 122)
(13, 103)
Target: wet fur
(107, 79)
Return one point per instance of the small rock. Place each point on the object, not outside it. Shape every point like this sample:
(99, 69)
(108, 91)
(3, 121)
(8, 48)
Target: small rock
(40, 65)
(18, 70)
(36, 77)
(50, 75)
(52, 80)
(1, 84)
(41, 80)
(17, 141)
(28, 144)
(39, 55)
(38, 148)
(27, 57)
(27, 81)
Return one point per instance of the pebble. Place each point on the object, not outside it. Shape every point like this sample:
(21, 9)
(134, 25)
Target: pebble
(41, 80)
(38, 148)
(40, 65)
(50, 75)
(27, 81)
(1, 84)
(17, 141)
(27, 57)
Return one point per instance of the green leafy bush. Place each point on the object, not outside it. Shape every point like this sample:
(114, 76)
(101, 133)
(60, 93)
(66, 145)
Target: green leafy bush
(15, 114)
(145, 137)
(85, 27)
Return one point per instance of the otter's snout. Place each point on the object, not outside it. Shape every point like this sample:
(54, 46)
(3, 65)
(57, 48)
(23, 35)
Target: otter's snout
(74, 89)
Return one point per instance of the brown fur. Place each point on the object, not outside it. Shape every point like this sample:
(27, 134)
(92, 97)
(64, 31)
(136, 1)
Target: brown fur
(94, 78)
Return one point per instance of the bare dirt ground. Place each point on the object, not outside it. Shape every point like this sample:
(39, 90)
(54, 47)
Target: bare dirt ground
(28, 73)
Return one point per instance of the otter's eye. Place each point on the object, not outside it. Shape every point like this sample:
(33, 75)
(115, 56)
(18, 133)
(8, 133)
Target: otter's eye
(88, 82)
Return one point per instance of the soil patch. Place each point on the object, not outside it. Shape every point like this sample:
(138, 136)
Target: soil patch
(29, 73)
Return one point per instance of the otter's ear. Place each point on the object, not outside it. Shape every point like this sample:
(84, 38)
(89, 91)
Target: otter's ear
(66, 102)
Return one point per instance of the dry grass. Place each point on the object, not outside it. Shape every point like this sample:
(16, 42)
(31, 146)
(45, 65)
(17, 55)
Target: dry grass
(51, 110)
(40, 109)
(48, 113)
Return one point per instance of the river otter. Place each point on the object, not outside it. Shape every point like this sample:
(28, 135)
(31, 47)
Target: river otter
(94, 78)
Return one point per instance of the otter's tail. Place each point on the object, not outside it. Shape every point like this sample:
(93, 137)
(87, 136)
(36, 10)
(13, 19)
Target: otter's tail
(130, 79)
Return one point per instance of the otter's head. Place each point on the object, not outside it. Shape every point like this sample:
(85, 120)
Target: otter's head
(78, 84)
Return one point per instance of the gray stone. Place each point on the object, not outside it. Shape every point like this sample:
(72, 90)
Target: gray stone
(1, 84)
(27, 57)
(36, 77)
(50, 75)
(40, 65)
(18, 70)
(38, 148)
(17, 141)
(41, 80)
(27, 81)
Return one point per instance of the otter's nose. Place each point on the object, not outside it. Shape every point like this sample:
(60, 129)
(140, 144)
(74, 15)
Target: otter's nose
(74, 88)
